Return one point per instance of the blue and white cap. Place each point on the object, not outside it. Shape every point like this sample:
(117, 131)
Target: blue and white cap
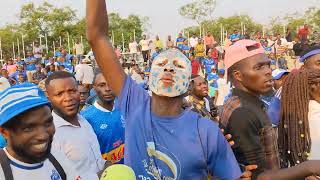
(278, 73)
(20, 98)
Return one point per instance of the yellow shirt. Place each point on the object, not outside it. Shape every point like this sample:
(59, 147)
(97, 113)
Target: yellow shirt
(158, 43)
(199, 49)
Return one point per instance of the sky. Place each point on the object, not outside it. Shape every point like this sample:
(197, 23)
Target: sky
(164, 15)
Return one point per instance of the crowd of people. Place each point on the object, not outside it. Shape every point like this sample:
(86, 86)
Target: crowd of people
(194, 108)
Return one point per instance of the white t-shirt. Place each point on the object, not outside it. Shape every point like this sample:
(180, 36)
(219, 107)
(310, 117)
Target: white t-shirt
(144, 45)
(223, 90)
(193, 41)
(37, 51)
(44, 170)
(314, 125)
(84, 73)
(78, 143)
(133, 47)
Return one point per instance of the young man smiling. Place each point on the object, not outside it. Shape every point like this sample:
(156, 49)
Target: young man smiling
(163, 141)
(27, 125)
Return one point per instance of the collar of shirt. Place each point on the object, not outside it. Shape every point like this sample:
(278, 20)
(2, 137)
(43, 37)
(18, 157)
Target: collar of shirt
(98, 106)
(248, 97)
(59, 121)
(20, 164)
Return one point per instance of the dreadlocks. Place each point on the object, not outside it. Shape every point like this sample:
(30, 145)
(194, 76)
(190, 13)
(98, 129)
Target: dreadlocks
(294, 132)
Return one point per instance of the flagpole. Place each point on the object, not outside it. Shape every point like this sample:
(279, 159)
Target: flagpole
(47, 48)
(122, 42)
(24, 53)
(0, 49)
(68, 42)
(13, 50)
(60, 41)
(134, 35)
(54, 47)
(18, 44)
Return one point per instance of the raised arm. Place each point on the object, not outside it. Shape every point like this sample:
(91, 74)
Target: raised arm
(97, 28)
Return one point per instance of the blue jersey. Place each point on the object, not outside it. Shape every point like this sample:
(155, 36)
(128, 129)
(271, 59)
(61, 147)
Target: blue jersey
(180, 41)
(31, 67)
(208, 64)
(180, 147)
(109, 128)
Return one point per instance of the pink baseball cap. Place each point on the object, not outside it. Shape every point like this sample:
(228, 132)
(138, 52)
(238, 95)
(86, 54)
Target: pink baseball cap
(239, 51)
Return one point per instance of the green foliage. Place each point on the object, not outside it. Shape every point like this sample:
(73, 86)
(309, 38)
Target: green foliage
(53, 22)
(199, 10)
(229, 24)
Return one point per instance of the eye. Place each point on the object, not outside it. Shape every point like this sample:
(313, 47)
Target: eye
(161, 64)
(177, 64)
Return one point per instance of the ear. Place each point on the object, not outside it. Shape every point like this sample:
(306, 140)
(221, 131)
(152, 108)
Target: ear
(237, 75)
(303, 67)
(5, 133)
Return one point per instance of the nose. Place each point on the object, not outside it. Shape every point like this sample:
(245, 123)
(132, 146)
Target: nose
(169, 70)
(42, 134)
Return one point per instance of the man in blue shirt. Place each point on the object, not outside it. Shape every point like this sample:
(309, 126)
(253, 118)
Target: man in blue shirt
(30, 65)
(180, 41)
(106, 121)
(163, 141)
(235, 36)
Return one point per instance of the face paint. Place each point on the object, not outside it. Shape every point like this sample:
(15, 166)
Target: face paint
(170, 74)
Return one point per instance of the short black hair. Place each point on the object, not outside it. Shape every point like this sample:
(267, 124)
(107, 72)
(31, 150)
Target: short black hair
(309, 49)
(96, 73)
(58, 75)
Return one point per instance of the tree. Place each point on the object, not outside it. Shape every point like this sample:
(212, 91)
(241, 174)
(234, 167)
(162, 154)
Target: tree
(127, 26)
(230, 23)
(199, 10)
(45, 19)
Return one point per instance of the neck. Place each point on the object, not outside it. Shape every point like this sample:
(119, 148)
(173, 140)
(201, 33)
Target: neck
(238, 85)
(106, 104)
(197, 97)
(71, 119)
(166, 106)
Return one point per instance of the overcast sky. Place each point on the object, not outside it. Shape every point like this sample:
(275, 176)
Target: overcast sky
(163, 14)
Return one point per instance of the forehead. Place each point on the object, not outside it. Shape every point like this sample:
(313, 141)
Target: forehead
(172, 55)
(254, 60)
(82, 89)
(36, 115)
(62, 84)
(199, 80)
(100, 78)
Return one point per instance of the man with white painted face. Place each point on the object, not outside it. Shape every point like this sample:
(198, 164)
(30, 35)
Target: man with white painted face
(163, 141)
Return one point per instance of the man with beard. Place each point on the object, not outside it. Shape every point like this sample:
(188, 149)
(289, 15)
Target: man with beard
(106, 121)
(163, 141)
(243, 115)
(74, 135)
(27, 125)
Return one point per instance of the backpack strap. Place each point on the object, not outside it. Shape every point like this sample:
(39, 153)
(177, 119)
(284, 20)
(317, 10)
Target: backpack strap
(5, 164)
(58, 166)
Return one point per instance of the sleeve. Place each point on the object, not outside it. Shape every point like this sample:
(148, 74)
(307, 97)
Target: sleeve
(245, 129)
(221, 160)
(132, 95)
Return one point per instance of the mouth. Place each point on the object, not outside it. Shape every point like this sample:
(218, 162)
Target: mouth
(269, 82)
(167, 80)
(71, 107)
(41, 147)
